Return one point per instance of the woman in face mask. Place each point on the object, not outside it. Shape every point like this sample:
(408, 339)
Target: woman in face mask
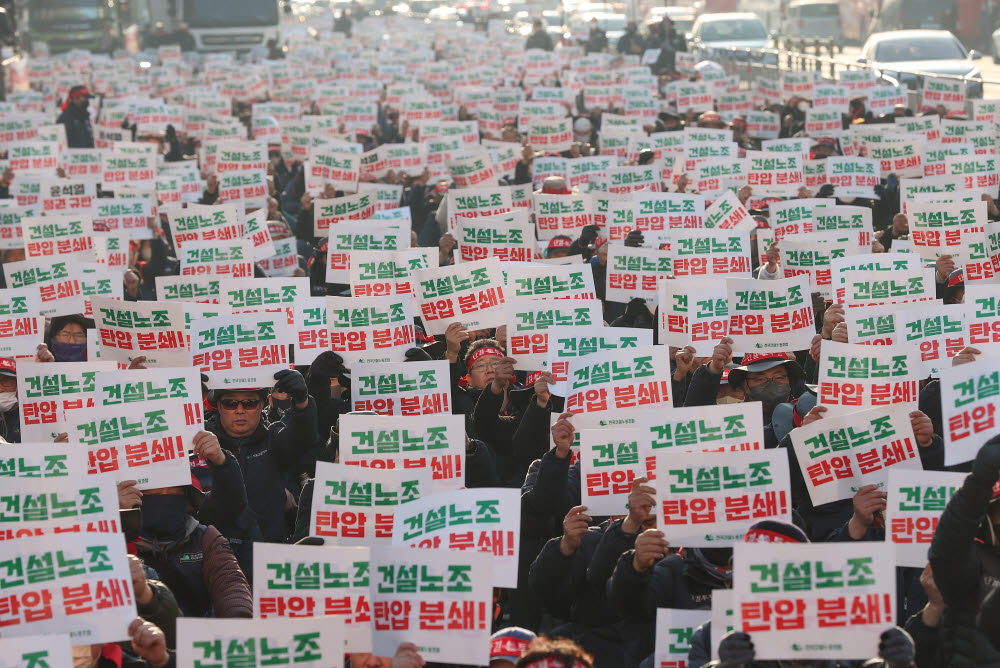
(10, 417)
(68, 338)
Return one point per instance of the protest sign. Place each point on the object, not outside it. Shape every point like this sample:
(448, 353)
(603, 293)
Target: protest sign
(41, 460)
(478, 520)
(310, 642)
(674, 630)
(203, 289)
(973, 174)
(478, 203)
(205, 223)
(131, 215)
(239, 351)
(540, 281)
(232, 258)
(435, 441)
(337, 169)
(296, 581)
(59, 505)
(370, 331)
(722, 618)
(943, 229)
(721, 428)
(877, 288)
(153, 330)
(86, 591)
(55, 281)
(657, 213)
(264, 295)
(285, 260)
(551, 135)
(127, 169)
(634, 273)
(528, 322)
(508, 237)
(350, 236)
(561, 215)
(471, 293)
(439, 600)
(382, 273)
(871, 325)
(41, 651)
(355, 505)
(812, 257)
(824, 601)
(62, 195)
(609, 461)
(770, 315)
(257, 230)
(914, 503)
(902, 157)
(853, 375)
(327, 212)
(938, 330)
(21, 328)
(695, 253)
(795, 216)
(727, 213)
(939, 91)
(692, 312)
(773, 174)
(852, 176)
(406, 388)
(617, 379)
(311, 331)
(566, 343)
(49, 392)
(712, 498)
(839, 457)
(968, 407)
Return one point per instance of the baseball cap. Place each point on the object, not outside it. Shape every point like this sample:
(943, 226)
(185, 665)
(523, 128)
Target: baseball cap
(757, 362)
(560, 242)
(8, 367)
(509, 644)
(582, 125)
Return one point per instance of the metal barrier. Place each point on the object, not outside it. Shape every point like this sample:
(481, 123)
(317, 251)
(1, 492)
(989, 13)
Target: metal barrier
(750, 64)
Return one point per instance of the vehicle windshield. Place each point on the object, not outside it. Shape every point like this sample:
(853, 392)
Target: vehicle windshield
(902, 50)
(818, 10)
(732, 31)
(230, 13)
(68, 10)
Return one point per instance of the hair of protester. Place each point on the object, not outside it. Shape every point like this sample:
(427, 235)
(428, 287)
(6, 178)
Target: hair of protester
(481, 343)
(560, 649)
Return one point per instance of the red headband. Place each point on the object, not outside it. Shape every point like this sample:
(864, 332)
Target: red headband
(550, 662)
(482, 352)
(507, 646)
(765, 536)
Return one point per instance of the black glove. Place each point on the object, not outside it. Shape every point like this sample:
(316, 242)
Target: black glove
(895, 647)
(735, 649)
(417, 355)
(291, 383)
(636, 311)
(634, 239)
(588, 234)
(826, 190)
(986, 466)
(326, 365)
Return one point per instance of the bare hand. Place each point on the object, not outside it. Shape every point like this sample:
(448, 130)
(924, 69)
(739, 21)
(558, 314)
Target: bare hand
(575, 525)
(563, 434)
(721, 356)
(815, 347)
(148, 642)
(43, 354)
(744, 194)
(143, 594)
(542, 394)
(206, 445)
(930, 587)
(773, 256)
(815, 414)
(965, 356)
(129, 495)
(138, 362)
(503, 375)
(453, 338)
(867, 501)
(833, 316)
(641, 501)
(923, 428)
(407, 656)
(840, 333)
(685, 362)
(945, 265)
(650, 546)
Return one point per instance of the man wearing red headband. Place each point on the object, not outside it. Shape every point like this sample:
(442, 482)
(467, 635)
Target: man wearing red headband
(76, 118)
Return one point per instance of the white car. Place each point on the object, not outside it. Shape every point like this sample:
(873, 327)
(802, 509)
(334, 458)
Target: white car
(716, 33)
(894, 55)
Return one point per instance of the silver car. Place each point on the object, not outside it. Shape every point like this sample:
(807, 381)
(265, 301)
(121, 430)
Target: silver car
(896, 55)
(715, 34)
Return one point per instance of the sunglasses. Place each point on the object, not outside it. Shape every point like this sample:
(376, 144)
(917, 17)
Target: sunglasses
(231, 404)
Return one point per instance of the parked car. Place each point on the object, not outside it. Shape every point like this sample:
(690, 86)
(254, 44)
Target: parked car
(713, 34)
(896, 55)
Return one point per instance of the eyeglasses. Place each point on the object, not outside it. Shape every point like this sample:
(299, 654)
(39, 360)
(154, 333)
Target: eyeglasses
(485, 366)
(758, 382)
(65, 336)
(231, 404)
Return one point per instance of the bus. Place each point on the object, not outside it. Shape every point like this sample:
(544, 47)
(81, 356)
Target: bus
(215, 25)
(71, 24)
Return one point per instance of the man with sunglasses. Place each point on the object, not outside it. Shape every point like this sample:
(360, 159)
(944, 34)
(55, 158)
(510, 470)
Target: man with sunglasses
(266, 452)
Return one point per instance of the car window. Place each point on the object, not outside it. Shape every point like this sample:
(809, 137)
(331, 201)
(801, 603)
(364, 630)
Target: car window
(726, 31)
(937, 48)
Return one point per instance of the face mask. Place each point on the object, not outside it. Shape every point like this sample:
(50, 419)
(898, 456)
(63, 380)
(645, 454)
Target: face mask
(803, 106)
(722, 401)
(281, 404)
(163, 516)
(770, 394)
(7, 401)
(69, 352)
(146, 253)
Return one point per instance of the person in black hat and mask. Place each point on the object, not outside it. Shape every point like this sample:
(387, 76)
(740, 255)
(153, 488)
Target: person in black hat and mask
(67, 340)
(76, 117)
